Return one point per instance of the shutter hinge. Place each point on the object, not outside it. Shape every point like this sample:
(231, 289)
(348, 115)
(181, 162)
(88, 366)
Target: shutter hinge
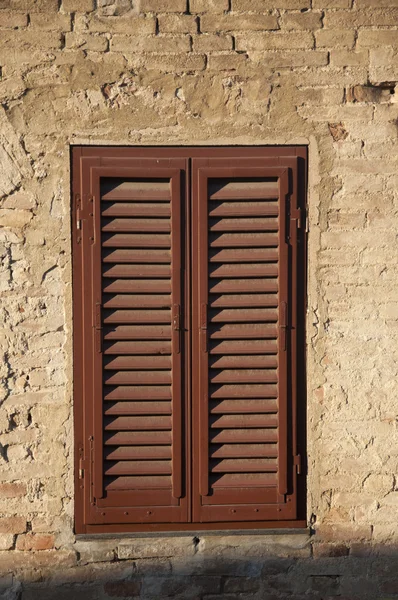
(297, 463)
(299, 215)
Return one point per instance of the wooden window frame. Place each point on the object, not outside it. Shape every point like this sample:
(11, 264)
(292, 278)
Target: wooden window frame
(108, 160)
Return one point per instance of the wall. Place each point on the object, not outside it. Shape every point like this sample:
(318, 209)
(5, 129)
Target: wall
(316, 72)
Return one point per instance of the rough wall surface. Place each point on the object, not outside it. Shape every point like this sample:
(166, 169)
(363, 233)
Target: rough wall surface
(316, 72)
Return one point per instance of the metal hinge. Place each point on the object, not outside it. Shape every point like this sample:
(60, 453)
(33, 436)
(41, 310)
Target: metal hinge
(297, 463)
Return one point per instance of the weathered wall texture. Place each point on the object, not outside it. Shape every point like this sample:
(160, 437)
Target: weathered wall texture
(317, 72)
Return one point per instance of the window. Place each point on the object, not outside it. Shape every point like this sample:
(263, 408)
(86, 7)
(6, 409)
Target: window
(189, 290)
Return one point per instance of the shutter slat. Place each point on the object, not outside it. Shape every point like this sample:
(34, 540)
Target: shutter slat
(245, 240)
(244, 465)
(127, 225)
(132, 483)
(243, 391)
(138, 286)
(244, 300)
(236, 286)
(248, 190)
(138, 362)
(137, 423)
(243, 421)
(244, 451)
(242, 255)
(136, 467)
(244, 362)
(246, 331)
(135, 438)
(244, 270)
(137, 301)
(242, 436)
(236, 209)
(137, 316)
(136, 256)
(131, 332)
(244, 480)
(253, 224)
(138, 347)
(243, 315)
(119, 240)
(139, 271)
(130, 209)
(244, 376)
(243, 406)
(120, 189)
(138, 408)
(244, 347)
(138, 453)
(131, 392)
(138, 377)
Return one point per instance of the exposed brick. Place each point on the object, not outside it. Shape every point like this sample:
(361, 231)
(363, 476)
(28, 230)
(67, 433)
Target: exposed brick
(274, 41)
(171, 63)
(368, 93)
(377, 3)
(132, 26)
(346, 58)
(35, 541)
(50, 22)
(12, 490)
(211, 42)
(44, 6)
(290, 59)
(344, 19)
(238, 23)
(78, 5)
(6, 541)
(213, 6)
(122, 43)
(227, 62)
(177, 24)
(146, 548)
(13, 20)
(324, 550)
(332, 4)
(335, 38)
(123, 589)
(26, 40)
(377, 38)
(160, 6)
(241, 584)
(12, 525)
(308, 20)
(86, 41)
(263, 5)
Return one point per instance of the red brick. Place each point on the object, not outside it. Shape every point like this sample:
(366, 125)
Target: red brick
(12, 525)
(35, 541)
(12, 490)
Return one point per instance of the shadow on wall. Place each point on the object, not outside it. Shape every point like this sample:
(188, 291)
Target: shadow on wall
(362, 572)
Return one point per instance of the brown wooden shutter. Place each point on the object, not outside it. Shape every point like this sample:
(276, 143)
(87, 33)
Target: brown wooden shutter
(243, 345)
(130, 220)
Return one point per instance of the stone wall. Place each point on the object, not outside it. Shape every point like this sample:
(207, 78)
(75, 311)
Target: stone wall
(188, 72)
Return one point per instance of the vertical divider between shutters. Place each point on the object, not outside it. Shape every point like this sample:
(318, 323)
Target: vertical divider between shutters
(203, 334)
(95, 211)
(283, 335)
(176, 334)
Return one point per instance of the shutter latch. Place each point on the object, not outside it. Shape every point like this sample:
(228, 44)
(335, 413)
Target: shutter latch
(297, 463)
(299, 216)
(78, 211)
(82, 468)
(177, 326)
(283, 325)
(98, 328)
(203, 326)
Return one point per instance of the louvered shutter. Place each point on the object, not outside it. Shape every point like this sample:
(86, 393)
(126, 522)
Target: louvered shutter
(130, 215)
(244, 339)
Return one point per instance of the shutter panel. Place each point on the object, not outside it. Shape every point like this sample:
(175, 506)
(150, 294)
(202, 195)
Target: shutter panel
(133, 345)
(242, 393)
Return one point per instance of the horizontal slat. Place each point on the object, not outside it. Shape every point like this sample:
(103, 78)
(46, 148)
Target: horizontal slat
(138, 467)
(129, 225)
(244, 270)
(244, 465)
(137, 423)
(138, 286)
(131, 209)
(236, 286)
(226, 189)
(131, 332)
(243, 300)
(244, 376)
(138, 378)
(237, 224)
(240, 315)
(243, 421)
(242, 436)
(244, 362)
(137, 438)
(247, 331)
(243, 240)
(133, 483)
(243, 406)
(137, 362)
(246, 347)
(137, 301)
(132, 392)
(242, 480)
(125, 255)
(138, 347)
(121, 240)
(113, 188)
(243, 255)
(147, 271)
(244, 391)
(244, 209)
(137, 316)
(138, 452)
(138, 408)
(244, 450)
